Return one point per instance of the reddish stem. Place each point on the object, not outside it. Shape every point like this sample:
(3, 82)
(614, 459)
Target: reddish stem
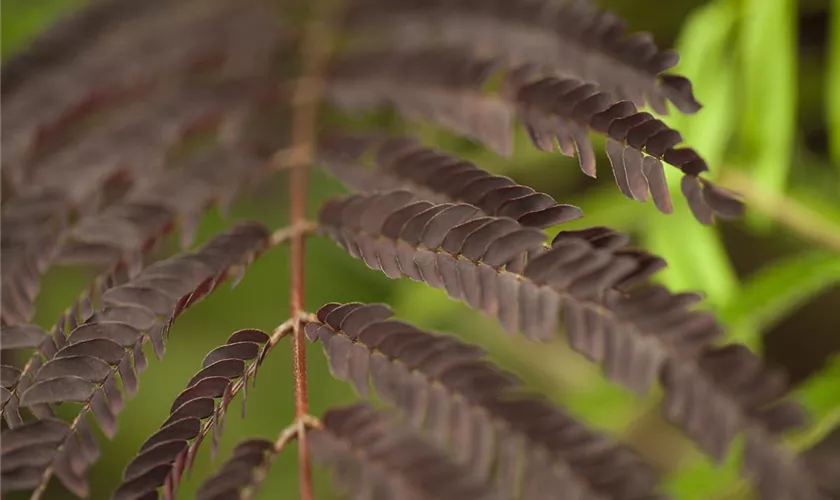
(305, 101)
(299, 187)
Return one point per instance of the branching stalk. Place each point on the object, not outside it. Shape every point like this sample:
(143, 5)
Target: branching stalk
(315, 53)
(785, 210)
(279, 333)
(286, 436)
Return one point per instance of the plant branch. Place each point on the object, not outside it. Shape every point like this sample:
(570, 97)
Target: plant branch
(279, 333)
(284, 234)
(315, 52)
(286, 436)
(784, 210)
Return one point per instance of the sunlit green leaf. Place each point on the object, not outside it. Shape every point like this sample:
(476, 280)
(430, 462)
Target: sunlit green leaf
(768, 51)
(702, 478)
(696, 257)
(821, 397)
(704, 45)
(810, 198)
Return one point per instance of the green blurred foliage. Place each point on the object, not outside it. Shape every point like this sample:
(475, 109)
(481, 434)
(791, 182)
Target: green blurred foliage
(23, 19)
(832, 95)
(743, 57)
(780, 287)
(768, 67)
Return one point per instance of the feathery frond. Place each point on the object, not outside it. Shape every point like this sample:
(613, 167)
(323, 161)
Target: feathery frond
(570, 38)
(446, 389)
(124, 47)
(374, 455)
(83, 367)
(454, 247)
(170, 451)
(566, 110)
(635, 335)
(33, 340)
(239, 472)
(437, 86)
(36, 226)
(730, 391)
(99, 163)
(403, 163)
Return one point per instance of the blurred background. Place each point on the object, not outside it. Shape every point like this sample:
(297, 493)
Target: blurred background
(768, 75)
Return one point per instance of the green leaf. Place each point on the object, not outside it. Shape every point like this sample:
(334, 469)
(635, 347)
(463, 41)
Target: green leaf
(768, 48)
(704, 44)
(816, 202)
(702, 478)
(832, 84)
(779, 289)
(696, 257)
(820, 395)
(23, 19)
